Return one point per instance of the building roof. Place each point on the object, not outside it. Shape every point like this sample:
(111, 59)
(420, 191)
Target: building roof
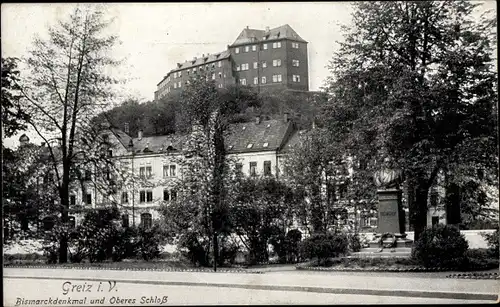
(294, 140)
(267, 135)
(208, 58)
(248, 36)
(121, 136)
(160, 143)
(251, 137)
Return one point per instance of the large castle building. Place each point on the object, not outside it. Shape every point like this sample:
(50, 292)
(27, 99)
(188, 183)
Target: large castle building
(265, 59)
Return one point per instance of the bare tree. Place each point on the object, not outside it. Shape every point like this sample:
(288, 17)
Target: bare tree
(68, 86)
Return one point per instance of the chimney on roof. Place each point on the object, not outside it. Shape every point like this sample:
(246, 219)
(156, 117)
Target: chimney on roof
(247, 27)
(126, 128)
(285, 117)
(139, 135)
(267, 29)
(257, 119)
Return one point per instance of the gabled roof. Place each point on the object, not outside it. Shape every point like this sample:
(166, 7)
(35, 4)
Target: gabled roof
(251, 137)
(248, 36)
(267, 135)
(121, 136)
(160, 143)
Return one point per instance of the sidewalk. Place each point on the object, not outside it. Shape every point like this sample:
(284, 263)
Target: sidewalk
(389, 285)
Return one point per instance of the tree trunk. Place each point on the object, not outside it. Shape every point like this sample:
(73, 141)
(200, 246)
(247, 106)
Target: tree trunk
(216, 250)
(419, 214)
(64, 196)
(452, 201)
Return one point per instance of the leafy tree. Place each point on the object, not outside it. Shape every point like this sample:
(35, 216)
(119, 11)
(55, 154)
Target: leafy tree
(13, 116)
(414, 81)
(205, 169)
(66, 88)
(27, 195)
(260, 213)
(310, 168)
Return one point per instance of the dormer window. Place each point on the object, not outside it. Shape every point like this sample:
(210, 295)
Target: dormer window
(266, 144)
(250, 145)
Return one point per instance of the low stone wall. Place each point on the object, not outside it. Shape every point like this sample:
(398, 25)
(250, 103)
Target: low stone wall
(474, 237)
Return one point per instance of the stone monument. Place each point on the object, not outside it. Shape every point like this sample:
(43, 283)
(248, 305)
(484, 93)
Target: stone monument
(390, 239)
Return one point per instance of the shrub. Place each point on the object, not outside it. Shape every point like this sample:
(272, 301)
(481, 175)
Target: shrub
(227, 251)
(441, 246)
(323, 246)
(195, 249)
(354, 242)
(51, 243)
(125, 244)
(492, 239)
(480, 258)
(30, 258)
(287, 247)
(148, 242)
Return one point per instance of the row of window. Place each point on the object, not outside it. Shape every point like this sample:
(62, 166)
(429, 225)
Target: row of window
(178, 74)
(276, 79)
(146, 220)
(168, 171)
(179, 83)
(253, 168)
(264, 46)
(146, 196)
(276, 63)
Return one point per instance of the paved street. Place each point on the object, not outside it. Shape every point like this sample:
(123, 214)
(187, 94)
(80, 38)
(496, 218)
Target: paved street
(233, 288)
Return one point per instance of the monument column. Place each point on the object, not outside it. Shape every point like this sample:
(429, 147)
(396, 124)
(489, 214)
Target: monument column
(391, 216)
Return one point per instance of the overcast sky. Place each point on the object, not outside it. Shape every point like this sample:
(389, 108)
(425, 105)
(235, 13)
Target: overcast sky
(156, 36)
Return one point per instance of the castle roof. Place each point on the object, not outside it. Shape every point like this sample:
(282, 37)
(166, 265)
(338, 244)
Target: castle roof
(206, 59)
(248, 36)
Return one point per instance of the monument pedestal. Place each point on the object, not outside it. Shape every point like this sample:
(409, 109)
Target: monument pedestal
(391, 227)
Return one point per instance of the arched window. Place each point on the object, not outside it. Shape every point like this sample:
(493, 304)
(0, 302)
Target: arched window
(146, 220)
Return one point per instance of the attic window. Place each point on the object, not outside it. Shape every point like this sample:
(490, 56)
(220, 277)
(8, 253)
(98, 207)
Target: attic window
(250, 145)
(265, 144)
